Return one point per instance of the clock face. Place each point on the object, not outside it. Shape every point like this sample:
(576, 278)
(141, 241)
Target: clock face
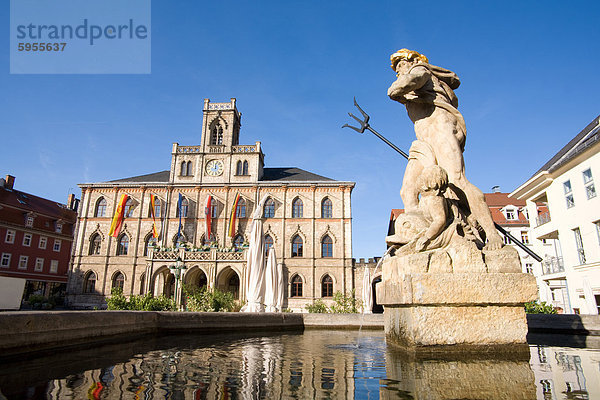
(214, 168)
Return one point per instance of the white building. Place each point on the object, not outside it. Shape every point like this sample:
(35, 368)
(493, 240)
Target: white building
(570, 278)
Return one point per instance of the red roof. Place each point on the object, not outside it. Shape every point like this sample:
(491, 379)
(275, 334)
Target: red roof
(395, 213)
(501, 200)
(497, 201)
(31, 203)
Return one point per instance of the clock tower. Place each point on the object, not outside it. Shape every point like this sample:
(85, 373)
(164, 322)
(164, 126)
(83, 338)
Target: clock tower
(219, 159)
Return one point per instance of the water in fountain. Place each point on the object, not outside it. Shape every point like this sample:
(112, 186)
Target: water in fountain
(313, 364)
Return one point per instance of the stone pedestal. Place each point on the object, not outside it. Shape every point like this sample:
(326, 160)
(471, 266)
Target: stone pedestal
(461, 311)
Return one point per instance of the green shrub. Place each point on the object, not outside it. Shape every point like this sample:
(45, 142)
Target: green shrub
(36, 298)
(209, 300)
(345, 303)
(146, 302)
(161, 303)
(318, 307)
(535, 307)
(117, 300)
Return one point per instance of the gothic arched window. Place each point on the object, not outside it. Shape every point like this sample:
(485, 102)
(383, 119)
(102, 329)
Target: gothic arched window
(123, 245)
(216, 137)
(189, 169)
(268, 243)
(245, 168)
(118, 281)
(100, 208)
(89, 283)
(326, 286)
(238, 168)
(238, 241)
(185, 205)
(150, 242)
(297, 208)
(326, 247)
(183, 169)
(297, 245)
(296, 286)
(95, 244)
(326, 208)
(269, 211)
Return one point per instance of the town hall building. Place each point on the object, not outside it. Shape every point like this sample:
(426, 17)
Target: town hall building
(306, 219)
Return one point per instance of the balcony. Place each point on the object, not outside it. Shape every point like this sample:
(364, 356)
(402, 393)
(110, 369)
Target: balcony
(213, 254)
(552, 265)
(543, 218)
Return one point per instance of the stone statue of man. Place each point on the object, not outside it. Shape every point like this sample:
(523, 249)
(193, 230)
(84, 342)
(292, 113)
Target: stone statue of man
(427, 91)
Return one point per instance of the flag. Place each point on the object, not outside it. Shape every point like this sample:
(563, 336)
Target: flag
(179, 206)
(117, 221)
(208, 215)
(231, 229)
(152, 213)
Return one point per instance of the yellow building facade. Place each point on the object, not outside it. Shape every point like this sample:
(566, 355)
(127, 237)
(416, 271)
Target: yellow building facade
(307, 220)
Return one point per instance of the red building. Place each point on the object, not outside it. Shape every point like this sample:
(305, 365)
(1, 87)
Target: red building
(36, 236)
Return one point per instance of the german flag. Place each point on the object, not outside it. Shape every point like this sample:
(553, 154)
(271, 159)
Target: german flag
(117, 221)
(154, 230)
(231, 229)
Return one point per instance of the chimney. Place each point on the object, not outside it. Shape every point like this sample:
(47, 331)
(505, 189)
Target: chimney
(72, 202)
(10, 182)
(496, 189)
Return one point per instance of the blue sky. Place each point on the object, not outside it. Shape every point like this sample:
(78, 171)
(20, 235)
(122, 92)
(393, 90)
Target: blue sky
(529, 83)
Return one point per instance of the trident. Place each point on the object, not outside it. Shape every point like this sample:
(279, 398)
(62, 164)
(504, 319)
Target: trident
(364, 125)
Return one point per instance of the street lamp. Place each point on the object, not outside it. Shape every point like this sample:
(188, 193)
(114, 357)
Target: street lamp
(177, 270)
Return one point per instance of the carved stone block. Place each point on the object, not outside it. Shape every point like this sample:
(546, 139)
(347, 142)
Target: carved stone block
(505, 259)
(466, 258)
(440, 262)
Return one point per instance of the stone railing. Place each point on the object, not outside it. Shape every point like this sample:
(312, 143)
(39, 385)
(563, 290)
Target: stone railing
(165, 254)
(194, 255)
(237, 256)
(244, 149)
(220, 106)
(543, 218)
(552, 265)
(189, 149)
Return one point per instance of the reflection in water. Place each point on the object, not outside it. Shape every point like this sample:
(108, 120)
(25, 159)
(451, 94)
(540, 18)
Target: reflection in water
(566, 373)
(315, 364)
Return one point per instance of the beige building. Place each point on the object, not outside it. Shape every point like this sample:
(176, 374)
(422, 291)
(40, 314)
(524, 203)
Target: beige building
(307, 219)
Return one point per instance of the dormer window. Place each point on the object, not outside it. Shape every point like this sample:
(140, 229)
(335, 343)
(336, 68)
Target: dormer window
(510, 213)
(29, 221)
